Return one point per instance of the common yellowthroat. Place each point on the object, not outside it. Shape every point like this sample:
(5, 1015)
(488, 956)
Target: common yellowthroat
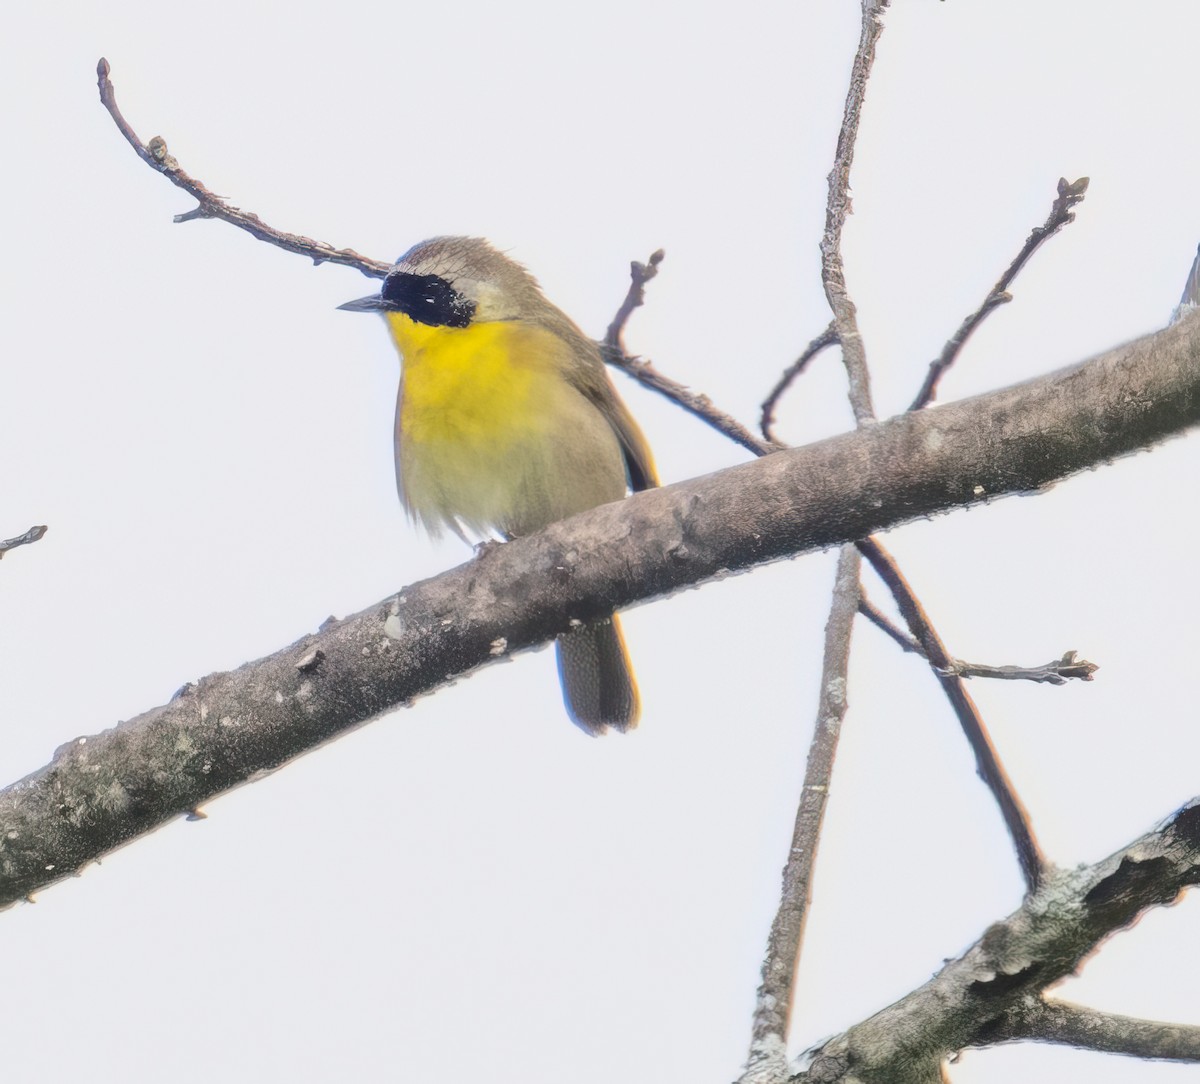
(506, 421)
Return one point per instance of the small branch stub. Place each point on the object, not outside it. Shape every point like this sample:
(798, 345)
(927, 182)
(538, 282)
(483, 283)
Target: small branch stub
(639, 274)
(32, 535)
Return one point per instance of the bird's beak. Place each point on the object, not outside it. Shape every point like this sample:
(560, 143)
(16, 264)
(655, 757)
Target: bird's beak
(374, 303)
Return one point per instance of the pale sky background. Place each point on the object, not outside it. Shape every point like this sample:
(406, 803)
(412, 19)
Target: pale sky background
(471, 888)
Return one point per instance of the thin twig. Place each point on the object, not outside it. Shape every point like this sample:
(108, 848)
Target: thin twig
(837, 207)
(766, 423)
(1058, 672)
(612, 348)
(772, 1013)
(1060, 215)
(639, 274)
(613, 351)
(767, 1060)
(1033, 864)
(881, 621)
(1052, 1021)
(694, 402)
(210, 205)
(31, 535)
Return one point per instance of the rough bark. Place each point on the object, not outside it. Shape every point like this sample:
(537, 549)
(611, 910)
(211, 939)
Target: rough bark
(976, 999)
(99, 792)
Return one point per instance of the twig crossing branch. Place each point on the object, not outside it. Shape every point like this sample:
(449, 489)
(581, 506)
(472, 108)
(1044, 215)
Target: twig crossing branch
(991, 771)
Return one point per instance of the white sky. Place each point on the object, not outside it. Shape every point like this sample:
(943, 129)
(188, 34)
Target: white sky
(471, 887)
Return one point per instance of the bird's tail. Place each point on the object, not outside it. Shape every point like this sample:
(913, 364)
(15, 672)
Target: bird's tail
(598, 685)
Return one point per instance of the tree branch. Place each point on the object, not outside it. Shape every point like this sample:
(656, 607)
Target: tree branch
(30, 536)
(1060, 215)
(639, 274)
(693, 402)
(1058, 672)
(766, 422)
(838, 207)
(1052, 1021)
(397, 623)
(103, 791)
(991, 770)
(767, 1060)
(970, 1001)
(884, 623)
(209, 205)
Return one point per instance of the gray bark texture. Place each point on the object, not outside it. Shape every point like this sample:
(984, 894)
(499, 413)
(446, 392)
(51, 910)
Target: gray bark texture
(101, 791)
(992, 993)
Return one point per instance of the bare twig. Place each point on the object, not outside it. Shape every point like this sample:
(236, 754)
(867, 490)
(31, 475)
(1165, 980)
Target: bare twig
(884, 623)
(838, 207)
(1053, 1021)
(1029, 854)
(948, 670)
(772, 1013)
(1069, 194)
(693, 402)
(766, 1062)
(210, 205)
(639, 274)
(31, 535)
(767, 420)
(612, 348)
(1058, 672)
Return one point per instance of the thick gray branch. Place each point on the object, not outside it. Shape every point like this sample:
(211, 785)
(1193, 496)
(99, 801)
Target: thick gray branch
(1090, 1029)
(100, 792)
(970, 1002)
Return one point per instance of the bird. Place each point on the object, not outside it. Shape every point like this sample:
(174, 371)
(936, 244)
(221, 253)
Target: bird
(506, 421)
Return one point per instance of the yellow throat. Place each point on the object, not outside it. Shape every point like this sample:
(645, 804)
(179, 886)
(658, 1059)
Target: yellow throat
(491, 432)
(469, 385)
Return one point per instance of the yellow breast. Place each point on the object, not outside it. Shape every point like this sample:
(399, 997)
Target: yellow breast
(491, 433)
(467, 385)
